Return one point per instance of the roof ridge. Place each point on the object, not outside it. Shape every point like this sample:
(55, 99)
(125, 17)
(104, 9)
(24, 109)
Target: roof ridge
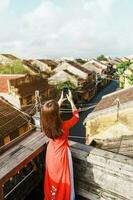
(116, 92)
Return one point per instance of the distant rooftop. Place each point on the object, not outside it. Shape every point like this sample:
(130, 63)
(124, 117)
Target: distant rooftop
(49, 62)
(80, 67)
(10, 56)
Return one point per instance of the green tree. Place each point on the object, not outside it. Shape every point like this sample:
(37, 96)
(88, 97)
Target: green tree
(130, 79)
(13, 67)
(61, 86)
(102, 58)
(81, 61)
(67, 84)
(120, 69)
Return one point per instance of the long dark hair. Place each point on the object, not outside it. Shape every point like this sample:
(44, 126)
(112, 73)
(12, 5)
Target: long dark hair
(50, 119)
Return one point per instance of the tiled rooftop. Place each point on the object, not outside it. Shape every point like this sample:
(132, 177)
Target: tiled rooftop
(28, 64)
(50, 63)
(10, 118)
(10, 56)
(80, 67)
(107, 101)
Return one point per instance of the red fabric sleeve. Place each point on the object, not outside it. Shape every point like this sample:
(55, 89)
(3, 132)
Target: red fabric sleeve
(71, 122)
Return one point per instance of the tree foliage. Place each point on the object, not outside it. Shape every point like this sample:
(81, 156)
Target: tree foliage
(13, 67)
(67, 84)
(120, 73)
(102, 58)
(81, 61)
(121, 67)
(130, 79)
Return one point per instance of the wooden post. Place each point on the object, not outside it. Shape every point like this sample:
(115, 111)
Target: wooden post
(37, 101)
(1, 192)
(117, 101)
(118, 108)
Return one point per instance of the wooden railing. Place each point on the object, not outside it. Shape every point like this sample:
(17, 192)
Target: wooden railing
(102, 175)
(99, 174)
(19, 168)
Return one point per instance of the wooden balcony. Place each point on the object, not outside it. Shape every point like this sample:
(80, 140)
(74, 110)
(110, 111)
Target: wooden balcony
(99, 174)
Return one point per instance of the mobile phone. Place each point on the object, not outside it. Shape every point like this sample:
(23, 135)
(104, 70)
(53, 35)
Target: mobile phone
(65, 91)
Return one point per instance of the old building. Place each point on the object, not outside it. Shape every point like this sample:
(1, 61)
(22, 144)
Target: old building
(103, 71)
(34, 69)
(112, 120)
(13, 122)
(95, 67)
(63, 76)
(83, 78)
(45, 65)
(24, 89)
(28, 65)
(4, 81)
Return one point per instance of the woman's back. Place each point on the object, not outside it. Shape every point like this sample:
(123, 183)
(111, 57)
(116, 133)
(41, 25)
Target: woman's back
(57, 160)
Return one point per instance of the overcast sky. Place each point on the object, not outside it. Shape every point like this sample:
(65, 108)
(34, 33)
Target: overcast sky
(66, 28)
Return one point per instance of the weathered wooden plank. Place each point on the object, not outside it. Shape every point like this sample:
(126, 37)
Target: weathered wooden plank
(28, 144)
(123, 145)
(16, 158)
(16, 141)
(102, 175)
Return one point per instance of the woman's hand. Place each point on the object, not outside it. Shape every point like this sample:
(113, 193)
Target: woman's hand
(61, 99)
(69, 96)
(70, 99)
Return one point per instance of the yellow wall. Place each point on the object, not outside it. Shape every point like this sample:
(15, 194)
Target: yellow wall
(24, 101)
(23, 129)
(7, 139)
(102, 122)
(33, 98)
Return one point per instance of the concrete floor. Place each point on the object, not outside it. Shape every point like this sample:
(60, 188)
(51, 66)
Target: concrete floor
(37, 194)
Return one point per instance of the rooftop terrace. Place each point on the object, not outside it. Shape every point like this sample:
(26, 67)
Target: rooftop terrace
(99, 174)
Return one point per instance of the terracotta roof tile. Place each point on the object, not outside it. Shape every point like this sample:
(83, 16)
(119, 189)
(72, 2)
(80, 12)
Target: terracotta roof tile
(80, 67)
(107, 101)
(28, 64)
(50, 63)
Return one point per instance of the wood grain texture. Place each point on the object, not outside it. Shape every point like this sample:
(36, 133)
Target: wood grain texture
(102, 175)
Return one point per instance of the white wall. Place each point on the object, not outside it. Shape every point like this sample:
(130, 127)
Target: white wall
(91, 67)
(4, 60)
(71, 69)
(41, 65)
(62, 76)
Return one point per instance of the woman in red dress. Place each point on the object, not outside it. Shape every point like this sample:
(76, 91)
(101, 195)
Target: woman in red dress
(58, 183)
